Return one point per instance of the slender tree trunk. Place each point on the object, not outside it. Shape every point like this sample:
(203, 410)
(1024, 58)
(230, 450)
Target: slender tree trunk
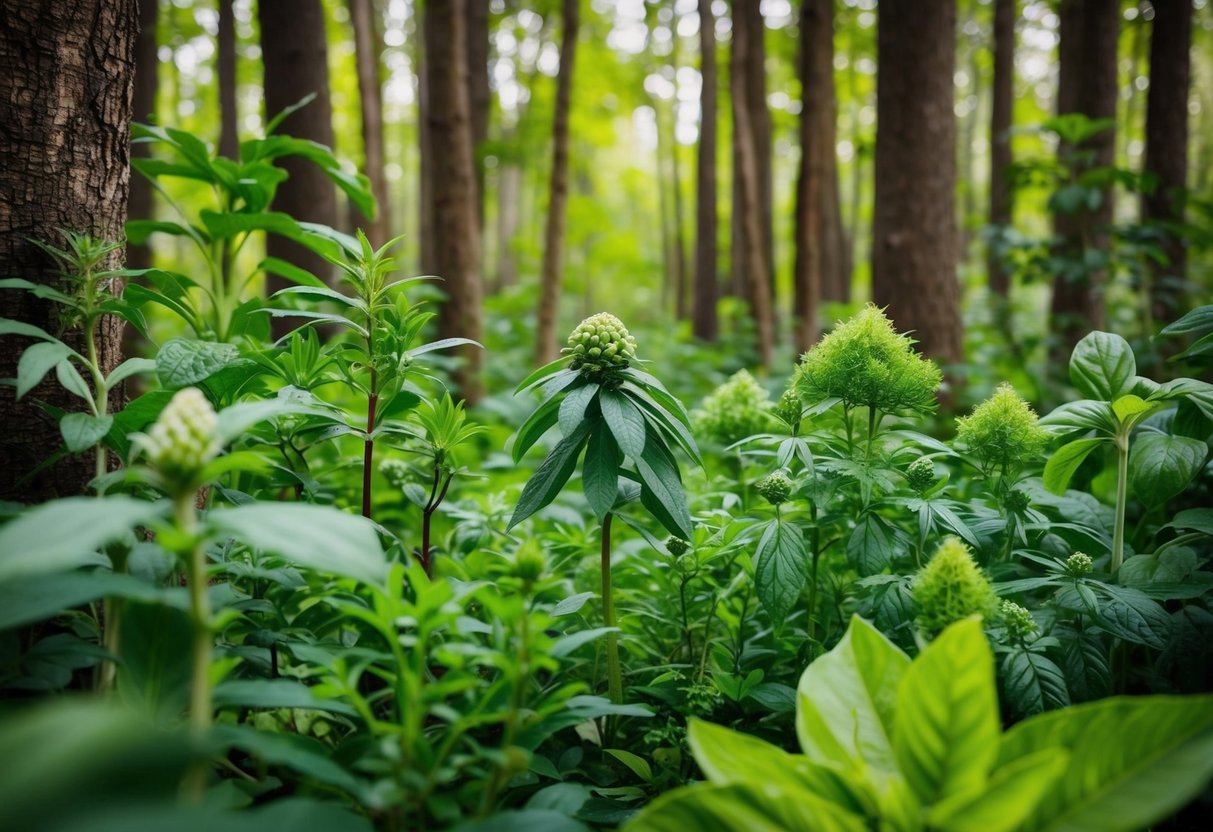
(66, 83)
(367, 46)
(427, 253)
(295, 55)
(835, 248)
(1087, 84)
(479, 98)
(704, 321)
(229, 119)
(553, 249)
(143, 109)
(679, 229)
(456, 227)
(1167, 152)
(914, 228)
(1005, 12)
(509, 198)
(753, 251)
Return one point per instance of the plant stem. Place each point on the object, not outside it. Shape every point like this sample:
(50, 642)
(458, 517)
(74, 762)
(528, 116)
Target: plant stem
(201, 706)
(815, 535)
(368, 448)
(1122, 493)
(614, 674)
(871, 432)
(101, 394)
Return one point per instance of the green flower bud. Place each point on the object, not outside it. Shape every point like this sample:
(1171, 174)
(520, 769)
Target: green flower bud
(736, 409)
(865, 362)
(184, 439)
(529, 563)
(775, 488)
(1079, 564)
(951, 587)
(1017, 620)
(1002, 431)
(676, 546)
(601, 346)
(790, 409)
(1017, 501)
(921, 474)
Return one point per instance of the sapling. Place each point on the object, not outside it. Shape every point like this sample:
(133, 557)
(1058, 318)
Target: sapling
(615, 413)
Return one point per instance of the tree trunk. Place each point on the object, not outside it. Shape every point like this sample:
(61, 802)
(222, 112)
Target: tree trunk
(753, 252)
(553, 249)
(456, 227)
(818, 113)
(229, 119)
(426, 251)
(509, 199)
(479, 98)
(1087, 84)
(679, 235)
(367, 46)
(1167, 152)
(66, 82)
(914, 226)
(704, 322)
(1005, 12)
(295, 55)
(143, 109)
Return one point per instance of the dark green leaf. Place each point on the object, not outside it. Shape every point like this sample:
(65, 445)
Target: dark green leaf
(662, 491)
(573, 406)
(551, 475)
(1034, 683)
(624, 420)
(779, 569)
(1161, 466)
(182, 362)
(600, 471)
(1102, 366)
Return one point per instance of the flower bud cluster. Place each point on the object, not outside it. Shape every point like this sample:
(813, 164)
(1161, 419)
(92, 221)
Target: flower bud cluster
(774, 488)
(1079, 564)
(600, 345)
(921, 474)
(1017, 620)
(185, 437)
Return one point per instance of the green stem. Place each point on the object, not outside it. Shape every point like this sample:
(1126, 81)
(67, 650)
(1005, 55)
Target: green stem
(201, 705)
(614, 673)
(100, 393)
(871, 432)
(1122, 494)
(816, 546)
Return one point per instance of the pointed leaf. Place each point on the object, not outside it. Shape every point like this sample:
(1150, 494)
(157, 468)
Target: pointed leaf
(551, 475)
(600, 471)
(1065, 461)
(624, 420)
(779, 569)
(38, 360)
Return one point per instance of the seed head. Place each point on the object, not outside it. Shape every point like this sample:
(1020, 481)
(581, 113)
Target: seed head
(184, 439)
(601, 346)
(775, 488)
(921, 474)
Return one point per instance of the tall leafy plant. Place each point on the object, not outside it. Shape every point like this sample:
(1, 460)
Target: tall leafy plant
(615, 413)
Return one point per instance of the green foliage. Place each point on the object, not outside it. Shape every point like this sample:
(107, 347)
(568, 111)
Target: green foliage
(951, 587)
(892, 743)
(735, 410)
(1002, 432)
(865, 362)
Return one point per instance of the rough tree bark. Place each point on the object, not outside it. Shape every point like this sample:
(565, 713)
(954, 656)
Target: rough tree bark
(295, 55)
(1167, 151)
(229, 119)
(558, 191)
(143, 109)
(426, 252)
(367, 46)
(479, 97)
(1087, 84)
(704, 321)
(66, 82)
(752, 254)
(914, 228)
(1001, 109)
(456, 227)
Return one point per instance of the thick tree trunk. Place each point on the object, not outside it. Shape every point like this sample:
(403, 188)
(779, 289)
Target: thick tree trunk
(558, 192)
(704, 322)
(295, 55)
(367, 46)
(818, 180)
(1087, 84)
(456, 227)
(914, 228)
(1005, 12)
(143, 109)
(479, 98)
(1167, 151)
(755, 266)
(229, 119)
(66, 81)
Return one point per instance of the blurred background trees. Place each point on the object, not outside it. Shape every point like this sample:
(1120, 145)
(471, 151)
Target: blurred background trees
(736, 171)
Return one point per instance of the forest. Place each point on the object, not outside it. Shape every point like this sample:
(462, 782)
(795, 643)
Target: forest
(569, 415)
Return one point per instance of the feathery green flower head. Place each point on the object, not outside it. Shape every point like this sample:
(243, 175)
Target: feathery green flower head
(1002, 431)
(774, 488)
(736, 409)
(921, 474)
(1079, 564)
(951, 587)
(789, 409)
(600, 345)
(185, 437)
(1017, 620)
(529, 562)
(866, 362)
(676, 546)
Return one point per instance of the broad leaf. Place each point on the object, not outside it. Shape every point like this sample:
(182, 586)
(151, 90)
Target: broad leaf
(38, 360)
(1065, 461)
(551, 475)
(779, 569)
(573, 406)
(83, 430)
(1132, 615)
(946, 730)
(600, 471)
(736, 807)
(1034, 683)
(64, 534)
(1161, 466)
(870, 546)
(624, 420)
(181, 362)
(846, 701)
(322, 538)
(35, 598)
(1010, 796)
(1102, 366)
(662, 493)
